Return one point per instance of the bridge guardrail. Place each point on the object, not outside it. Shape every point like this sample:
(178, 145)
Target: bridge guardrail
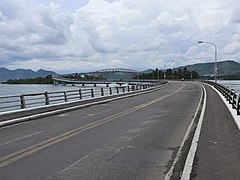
(231, 96)
(24, 101)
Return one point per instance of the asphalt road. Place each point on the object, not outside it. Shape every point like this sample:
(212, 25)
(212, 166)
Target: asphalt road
(132, 138)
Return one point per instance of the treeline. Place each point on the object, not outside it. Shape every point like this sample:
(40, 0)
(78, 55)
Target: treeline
(38, 80)
(169, 74)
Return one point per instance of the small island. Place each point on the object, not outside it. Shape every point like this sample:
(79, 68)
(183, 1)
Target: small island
(39, 80)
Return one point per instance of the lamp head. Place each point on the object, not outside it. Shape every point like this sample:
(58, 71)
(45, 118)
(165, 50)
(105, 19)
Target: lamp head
(200, 42)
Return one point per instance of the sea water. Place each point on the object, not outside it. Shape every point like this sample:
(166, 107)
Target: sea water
(232, 84)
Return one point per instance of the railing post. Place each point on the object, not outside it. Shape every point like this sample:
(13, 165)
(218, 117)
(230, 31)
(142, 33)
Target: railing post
(238, 105)
(133, 88)
(92, 93)
(102, 93)
(233, 100)
(117, 90)
(23, 105)
(123, 89)
(80, 94)
(230, 97)
(65, 96)
(46, 98)
(225, 92)
(110, 91)
(128, 88)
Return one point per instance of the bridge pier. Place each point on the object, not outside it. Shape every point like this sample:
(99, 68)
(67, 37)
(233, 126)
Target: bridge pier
(55, 82)
(120, 84)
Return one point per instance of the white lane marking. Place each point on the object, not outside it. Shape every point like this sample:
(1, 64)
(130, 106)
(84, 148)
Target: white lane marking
(73, 164)
(19, 139)
(191, 154)
(170, 172)
(63, 115)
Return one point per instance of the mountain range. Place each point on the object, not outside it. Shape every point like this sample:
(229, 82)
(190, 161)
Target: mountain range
(204, 69)
(224, 68)
(6, 74)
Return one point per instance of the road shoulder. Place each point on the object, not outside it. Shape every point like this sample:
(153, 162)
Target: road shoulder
(218, 153)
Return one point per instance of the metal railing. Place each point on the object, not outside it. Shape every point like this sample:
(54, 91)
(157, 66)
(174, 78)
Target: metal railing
(23, 101)
(231, 96)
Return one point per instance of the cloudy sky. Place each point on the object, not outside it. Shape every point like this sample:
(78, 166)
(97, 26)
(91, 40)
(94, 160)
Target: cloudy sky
(79, 36)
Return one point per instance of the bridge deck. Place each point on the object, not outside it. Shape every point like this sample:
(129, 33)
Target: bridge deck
(133, 138)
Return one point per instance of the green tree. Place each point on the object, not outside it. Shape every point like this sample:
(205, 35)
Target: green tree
(169, 74)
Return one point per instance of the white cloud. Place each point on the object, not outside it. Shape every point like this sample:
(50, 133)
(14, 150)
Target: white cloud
(133, 34)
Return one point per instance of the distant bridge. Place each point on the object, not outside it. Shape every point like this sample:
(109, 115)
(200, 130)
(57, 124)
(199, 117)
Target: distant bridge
(114, 70)
(60, 80)
(111, 70)
(70, 78)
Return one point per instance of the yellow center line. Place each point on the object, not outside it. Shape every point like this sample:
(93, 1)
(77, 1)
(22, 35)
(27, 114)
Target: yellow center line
(12, 157)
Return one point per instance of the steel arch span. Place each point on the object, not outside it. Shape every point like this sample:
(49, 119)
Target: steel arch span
(113, 70)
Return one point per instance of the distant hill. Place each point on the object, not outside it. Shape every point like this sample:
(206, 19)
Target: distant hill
(6, 74)
(147, 71)
(224, 68)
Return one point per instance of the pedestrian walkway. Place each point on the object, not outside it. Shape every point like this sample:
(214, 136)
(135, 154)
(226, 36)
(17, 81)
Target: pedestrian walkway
(218, 153)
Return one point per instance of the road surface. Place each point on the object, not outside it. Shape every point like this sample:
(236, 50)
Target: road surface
(132, 138)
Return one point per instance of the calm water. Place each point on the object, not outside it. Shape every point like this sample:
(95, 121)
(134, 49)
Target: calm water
(233, 84)
(6, 89)
(16, 89)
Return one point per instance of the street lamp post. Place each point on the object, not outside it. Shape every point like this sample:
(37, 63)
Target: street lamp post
(164, 73)
(215, 66)
(191, 73)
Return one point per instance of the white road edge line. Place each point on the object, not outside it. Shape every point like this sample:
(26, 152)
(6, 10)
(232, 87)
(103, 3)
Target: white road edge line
(170, 172)
(191, 154)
